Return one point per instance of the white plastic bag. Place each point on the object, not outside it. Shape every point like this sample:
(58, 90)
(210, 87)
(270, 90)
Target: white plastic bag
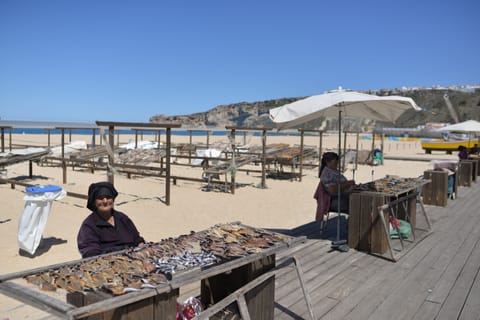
(35, 214)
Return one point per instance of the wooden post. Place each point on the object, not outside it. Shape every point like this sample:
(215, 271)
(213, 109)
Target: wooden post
(264, 139)
(344, 150)
(356, 151)
(64, 164)
(189, 147)
(111, 138)
(320, 151)
(10, 139)
(208, 139)
(48, 137)
(3, 139)
(373, 145)
(300, 170)
(30, 169)
(232, 141)
(136, 138)
(381, 148)
(93, 138)
(167, 179)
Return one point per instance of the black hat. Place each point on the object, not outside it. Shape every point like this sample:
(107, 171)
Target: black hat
(99, 190)
(103, 192)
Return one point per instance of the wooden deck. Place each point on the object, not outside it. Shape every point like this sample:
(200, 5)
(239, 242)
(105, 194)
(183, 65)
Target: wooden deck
(438, 278)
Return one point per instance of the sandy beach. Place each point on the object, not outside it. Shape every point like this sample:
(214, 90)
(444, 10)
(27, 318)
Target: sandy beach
(284, 204)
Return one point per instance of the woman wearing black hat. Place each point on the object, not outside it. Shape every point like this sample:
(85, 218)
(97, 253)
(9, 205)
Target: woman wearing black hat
(105, 229)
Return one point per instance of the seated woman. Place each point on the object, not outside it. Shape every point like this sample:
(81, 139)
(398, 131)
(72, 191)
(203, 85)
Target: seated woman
(332, 179)
(105, 229)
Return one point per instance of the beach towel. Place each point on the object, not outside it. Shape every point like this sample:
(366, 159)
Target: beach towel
(323, 202)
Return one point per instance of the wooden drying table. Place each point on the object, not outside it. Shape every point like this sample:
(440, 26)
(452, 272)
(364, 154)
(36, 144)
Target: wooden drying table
(224, 168)
(217, 282)
(369, 219)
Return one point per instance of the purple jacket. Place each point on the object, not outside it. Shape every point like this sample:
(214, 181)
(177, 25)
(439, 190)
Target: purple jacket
(96, 236)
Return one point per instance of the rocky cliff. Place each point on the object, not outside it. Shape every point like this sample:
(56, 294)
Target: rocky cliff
(465, 100)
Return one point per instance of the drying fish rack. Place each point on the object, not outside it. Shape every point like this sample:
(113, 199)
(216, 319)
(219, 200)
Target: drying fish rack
(220, 283)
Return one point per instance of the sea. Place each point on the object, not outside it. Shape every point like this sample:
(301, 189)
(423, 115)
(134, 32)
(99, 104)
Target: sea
(201, 132)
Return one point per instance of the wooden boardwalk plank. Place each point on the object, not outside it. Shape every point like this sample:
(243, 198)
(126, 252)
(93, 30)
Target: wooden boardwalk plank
(414, 289)
(368, 296)
(427, 311)
(315, 271)
(459, 293)
(342, 285)
(371, 287)
(471, 309)
(442, 287)
(416, 285)
(321, 283)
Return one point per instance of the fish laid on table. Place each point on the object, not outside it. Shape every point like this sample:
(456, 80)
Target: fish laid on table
(154, 263)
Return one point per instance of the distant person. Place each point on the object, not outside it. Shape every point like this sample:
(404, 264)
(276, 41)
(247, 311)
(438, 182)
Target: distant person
(462, 153)
(105, 229)
(332, 179)
(474, 150)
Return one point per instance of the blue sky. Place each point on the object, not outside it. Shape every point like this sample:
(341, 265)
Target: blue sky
(129, 60)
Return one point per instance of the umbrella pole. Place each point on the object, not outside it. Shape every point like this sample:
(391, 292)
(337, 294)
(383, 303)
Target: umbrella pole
(339, 139)
(339, 244)
(339, 169)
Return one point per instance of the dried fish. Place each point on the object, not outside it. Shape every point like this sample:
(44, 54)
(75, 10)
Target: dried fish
(256, 243)
(116, 289)
(155, 263)
(185, 261)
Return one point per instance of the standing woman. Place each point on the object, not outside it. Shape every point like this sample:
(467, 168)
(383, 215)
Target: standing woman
(105, 229)
(332, 179)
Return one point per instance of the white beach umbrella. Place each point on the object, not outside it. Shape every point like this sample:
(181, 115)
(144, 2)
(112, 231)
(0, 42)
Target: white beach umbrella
(334, 103)
(350, 103)
(466, 126)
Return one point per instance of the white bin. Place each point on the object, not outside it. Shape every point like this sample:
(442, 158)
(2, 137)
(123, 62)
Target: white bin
(38, 202)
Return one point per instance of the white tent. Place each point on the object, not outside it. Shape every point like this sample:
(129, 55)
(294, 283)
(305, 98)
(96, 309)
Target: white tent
(466, 126)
